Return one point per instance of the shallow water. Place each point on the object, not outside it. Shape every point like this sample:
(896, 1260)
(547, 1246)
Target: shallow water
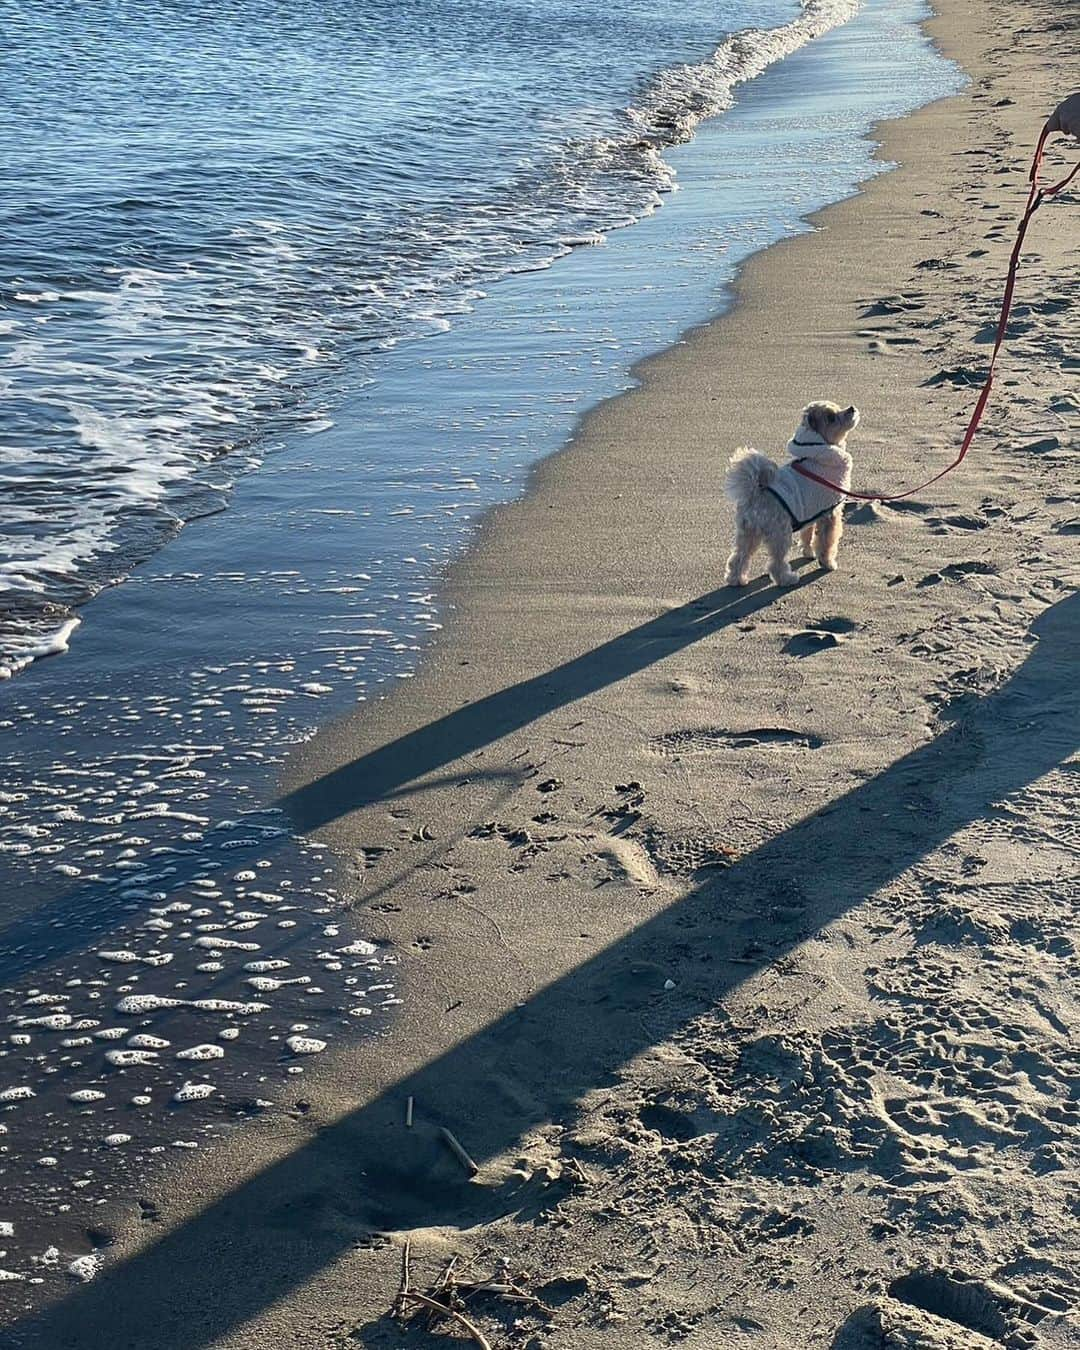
(139, 840)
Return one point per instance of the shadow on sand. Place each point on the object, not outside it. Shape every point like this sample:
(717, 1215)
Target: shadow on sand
(280, 1229)
(83, 914)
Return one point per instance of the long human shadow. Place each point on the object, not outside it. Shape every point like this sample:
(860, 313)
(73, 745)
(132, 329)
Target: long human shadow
(283, 1227)
(83, 914)
(382, 772)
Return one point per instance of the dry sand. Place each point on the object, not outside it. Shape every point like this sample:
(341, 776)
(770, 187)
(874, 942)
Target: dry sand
(737, 928)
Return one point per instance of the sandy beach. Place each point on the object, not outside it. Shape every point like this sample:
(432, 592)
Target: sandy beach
(736, 928)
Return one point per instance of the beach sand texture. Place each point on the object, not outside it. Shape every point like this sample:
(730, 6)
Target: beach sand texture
(737, 928)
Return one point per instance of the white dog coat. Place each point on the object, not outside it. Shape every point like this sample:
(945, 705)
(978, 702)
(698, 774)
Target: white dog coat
(803, 499)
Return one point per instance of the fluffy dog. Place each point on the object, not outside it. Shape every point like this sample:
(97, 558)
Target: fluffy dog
(771, 502)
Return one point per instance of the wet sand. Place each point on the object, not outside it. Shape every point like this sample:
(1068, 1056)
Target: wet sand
(735, 928)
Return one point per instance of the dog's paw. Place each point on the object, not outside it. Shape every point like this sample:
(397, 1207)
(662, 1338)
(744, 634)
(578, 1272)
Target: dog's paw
(733, 579)
(788, 578)
(829, 564)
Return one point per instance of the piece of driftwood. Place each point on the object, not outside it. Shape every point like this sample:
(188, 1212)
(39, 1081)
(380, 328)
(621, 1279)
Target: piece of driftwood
(443, 1311)
(450, 1293)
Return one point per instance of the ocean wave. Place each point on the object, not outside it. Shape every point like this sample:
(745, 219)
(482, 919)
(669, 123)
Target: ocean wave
(202, 309)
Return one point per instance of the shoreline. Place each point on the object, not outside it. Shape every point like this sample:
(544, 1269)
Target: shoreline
(577, 785)
(282, 611)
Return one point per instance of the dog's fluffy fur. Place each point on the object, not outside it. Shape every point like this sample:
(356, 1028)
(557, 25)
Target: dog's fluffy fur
(762, 520)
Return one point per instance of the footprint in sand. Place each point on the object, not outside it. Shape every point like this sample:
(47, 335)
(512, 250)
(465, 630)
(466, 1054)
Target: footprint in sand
(958, 522)
(820, 637)
(945, 1310)
(958, 375)
(703, 741)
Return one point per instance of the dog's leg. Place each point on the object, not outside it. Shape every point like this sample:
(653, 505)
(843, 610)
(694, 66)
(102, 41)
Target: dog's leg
(827, 534)
(737, 572)
(779, 546)
(806, 535)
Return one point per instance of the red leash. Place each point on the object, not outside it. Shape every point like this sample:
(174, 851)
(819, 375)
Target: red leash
(1036, 197)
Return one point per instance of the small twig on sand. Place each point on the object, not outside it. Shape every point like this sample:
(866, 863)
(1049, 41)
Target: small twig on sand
(408, 1114)
(458, 1152)
(405, 1291)
(580, 1171)
(510, 1292)
(443, 1311)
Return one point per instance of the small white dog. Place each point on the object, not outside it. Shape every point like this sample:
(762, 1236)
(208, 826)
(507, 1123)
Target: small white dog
(771, 502)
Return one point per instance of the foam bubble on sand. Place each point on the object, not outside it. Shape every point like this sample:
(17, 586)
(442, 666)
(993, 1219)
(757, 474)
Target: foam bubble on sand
(20, 1039)
(51, 1022)
(144, 1003)
(201, 1052)
(85, 1095)
(142, 1041)
(305, 1045)
(226, 1005)
(16, 1094)
(9, 1276)
(228, 1033)
(222, 943)
(266, 984)
(193, 1092)
(115, 1140)
(124, 1059)
(358, 948)
(7, 1228)
(260, 967)
(125, 958)
(84, 1268)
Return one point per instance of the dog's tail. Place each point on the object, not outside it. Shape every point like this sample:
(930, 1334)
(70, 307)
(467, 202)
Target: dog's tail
(749, 474)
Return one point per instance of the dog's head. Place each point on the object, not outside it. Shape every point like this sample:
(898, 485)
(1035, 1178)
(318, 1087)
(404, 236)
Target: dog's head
(829, 421)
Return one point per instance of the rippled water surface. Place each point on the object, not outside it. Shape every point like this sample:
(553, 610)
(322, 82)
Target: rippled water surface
(212, 215)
